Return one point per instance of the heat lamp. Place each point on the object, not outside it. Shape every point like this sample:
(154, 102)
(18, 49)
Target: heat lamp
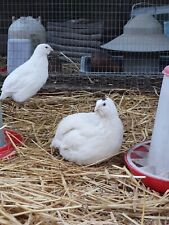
(151, 158)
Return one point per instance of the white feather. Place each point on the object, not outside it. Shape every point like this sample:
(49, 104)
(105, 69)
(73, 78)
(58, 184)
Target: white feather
(86, 138)
(26, 80)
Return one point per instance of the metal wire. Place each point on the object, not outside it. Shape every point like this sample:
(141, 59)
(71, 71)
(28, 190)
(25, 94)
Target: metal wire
(78, 29)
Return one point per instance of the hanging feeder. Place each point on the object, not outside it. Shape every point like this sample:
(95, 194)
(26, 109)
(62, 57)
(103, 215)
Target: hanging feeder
(151, 159)
(142, 45)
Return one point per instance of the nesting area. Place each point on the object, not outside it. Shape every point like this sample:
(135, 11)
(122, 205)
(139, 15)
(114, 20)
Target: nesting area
(39, 187)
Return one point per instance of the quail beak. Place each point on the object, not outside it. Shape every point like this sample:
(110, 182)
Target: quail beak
(96, 108)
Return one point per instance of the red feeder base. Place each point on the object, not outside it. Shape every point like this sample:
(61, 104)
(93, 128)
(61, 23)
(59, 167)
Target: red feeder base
(12, 139)
(132, 158)
(3, 70)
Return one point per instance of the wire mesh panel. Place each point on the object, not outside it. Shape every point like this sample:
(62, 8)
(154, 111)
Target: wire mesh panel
(89, 37)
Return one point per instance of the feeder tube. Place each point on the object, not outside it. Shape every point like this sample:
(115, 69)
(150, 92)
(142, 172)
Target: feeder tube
(2, 136)
(159, 147)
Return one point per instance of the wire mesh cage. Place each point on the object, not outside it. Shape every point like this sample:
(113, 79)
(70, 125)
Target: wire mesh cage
(101, 39)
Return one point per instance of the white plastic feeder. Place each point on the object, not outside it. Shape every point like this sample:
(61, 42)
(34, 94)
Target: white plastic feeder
(151, 159)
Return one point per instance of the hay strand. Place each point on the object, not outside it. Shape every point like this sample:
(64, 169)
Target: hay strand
(39, 187)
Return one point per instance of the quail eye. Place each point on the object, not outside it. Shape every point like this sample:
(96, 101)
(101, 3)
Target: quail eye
(104, 104)
(46, 46)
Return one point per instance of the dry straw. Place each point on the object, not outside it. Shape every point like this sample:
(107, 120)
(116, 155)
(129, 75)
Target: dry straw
(39, 187)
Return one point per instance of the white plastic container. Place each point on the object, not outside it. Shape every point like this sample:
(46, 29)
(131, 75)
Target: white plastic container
(159, 148)
(19, 50)
(24, 34)
(166, 28)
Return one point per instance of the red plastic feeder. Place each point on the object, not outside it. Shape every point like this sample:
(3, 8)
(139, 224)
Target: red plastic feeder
(135, 159)
(12, 140)
(151, 159)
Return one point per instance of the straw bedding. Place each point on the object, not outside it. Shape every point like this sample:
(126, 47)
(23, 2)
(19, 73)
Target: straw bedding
(39, 187)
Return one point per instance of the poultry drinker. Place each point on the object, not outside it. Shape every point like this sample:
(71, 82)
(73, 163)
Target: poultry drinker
(9, 139)
(151, 158)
